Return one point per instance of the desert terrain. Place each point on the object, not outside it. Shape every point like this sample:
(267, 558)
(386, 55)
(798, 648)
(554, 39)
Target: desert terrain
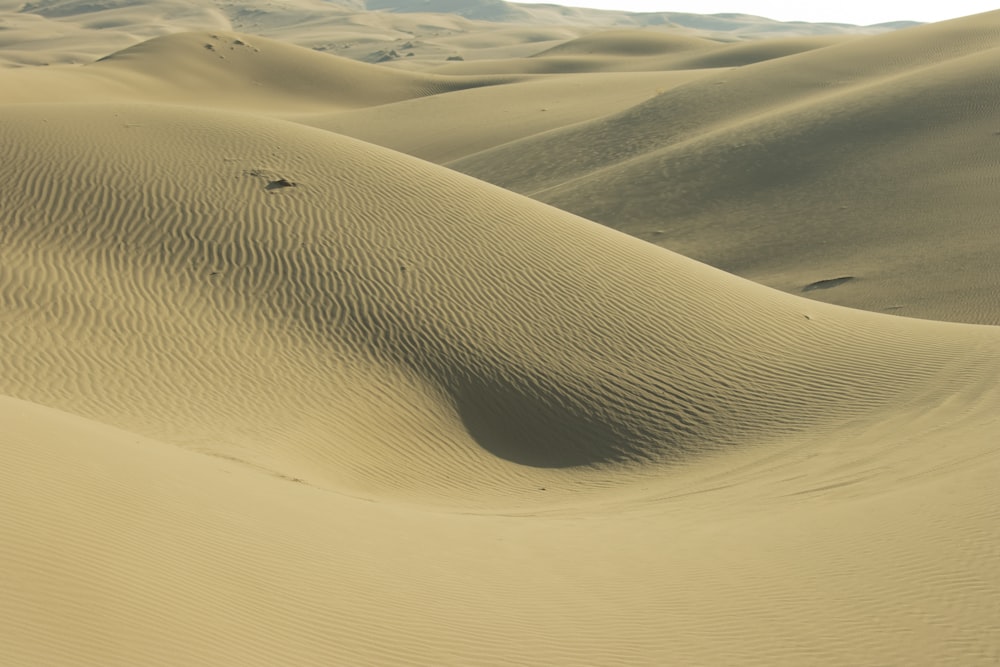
(477, 333)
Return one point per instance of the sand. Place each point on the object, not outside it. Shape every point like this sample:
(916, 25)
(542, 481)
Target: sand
(281, 385)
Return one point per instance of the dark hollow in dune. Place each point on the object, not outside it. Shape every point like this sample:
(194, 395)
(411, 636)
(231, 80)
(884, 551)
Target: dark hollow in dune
(280, 183)
(827, 284)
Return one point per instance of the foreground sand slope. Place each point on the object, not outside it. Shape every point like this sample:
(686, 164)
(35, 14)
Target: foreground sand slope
(873, 159)
(402, 416)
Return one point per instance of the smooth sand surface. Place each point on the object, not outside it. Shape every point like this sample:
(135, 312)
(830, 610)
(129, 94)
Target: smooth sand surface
(872, 158)
(275, 395)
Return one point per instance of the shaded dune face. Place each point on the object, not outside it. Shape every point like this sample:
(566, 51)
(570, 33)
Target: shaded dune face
(843, 160)
(524, 335)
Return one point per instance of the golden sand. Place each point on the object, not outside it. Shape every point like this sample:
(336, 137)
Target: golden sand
(274, 392)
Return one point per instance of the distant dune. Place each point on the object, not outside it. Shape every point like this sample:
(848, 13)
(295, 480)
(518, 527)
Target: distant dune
(868, 158)
(231, 70)
(274, 394)
(44, 32)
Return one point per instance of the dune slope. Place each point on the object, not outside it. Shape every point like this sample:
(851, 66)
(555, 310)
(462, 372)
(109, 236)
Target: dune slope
(868, 159)
(444, 128)
(335, 404)
(643, 51)
(252, 232)
(230, 70)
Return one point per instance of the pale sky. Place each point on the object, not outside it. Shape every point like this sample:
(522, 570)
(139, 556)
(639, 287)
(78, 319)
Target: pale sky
(860, 12)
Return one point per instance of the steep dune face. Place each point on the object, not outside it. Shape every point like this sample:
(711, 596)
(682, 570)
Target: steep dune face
(501, 320)
(857, 152)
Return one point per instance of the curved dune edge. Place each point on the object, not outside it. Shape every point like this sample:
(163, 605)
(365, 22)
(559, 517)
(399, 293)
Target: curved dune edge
(277, 396)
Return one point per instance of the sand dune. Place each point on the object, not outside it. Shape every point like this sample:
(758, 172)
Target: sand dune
(623, 51)
(231, 70)
(747, 53)
(629, 43)
(655, 51)
(387, 330)
(843, 161)
(356, 253)
(444, 128)
(273, 395)
(44, 32)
